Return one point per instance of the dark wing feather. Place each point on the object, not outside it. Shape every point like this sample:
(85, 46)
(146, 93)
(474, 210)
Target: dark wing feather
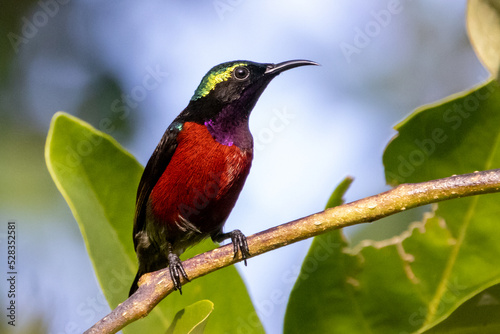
(152, 173)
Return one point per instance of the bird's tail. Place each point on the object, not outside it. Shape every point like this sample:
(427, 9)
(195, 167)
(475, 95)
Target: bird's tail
(134, 286)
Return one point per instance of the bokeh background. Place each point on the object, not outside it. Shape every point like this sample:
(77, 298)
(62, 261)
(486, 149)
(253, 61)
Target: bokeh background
(130, 67)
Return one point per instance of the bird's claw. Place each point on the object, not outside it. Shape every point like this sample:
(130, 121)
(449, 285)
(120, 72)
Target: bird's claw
(176, 270)
(240, 243)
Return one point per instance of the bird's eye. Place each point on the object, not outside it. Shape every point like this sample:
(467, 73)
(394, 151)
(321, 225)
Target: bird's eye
(241, 73)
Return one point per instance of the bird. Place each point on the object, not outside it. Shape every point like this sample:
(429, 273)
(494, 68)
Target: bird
(197, 171)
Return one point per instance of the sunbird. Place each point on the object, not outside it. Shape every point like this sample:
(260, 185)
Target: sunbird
(196, 173)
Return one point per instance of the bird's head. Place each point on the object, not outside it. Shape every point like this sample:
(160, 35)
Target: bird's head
(227, 94)
(239, 83)
(231, 81)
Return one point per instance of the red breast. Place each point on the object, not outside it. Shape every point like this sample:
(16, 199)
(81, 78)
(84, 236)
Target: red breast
(202, 181)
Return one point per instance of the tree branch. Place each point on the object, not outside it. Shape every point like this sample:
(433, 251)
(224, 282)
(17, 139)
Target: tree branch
(157, 285)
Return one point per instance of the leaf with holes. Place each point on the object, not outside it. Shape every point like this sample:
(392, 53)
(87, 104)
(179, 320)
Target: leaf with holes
(457, 136)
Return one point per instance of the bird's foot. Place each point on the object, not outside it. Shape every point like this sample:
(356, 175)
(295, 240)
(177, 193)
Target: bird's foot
(239, 244)
(176, 270)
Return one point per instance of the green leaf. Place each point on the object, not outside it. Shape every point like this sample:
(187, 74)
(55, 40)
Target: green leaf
(191, 319)
(336, 197)
(477, 315)
(459, 135)
(455, 136)
(322, 279)
(412, 282)
(483, 26)
(99, 179)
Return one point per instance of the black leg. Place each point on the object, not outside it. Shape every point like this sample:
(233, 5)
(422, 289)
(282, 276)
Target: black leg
(176, 270)
(239, 243)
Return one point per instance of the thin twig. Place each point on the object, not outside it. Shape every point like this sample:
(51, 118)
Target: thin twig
(156, 286)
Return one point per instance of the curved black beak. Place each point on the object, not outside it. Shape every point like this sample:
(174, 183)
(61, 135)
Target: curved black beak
(287, 65)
